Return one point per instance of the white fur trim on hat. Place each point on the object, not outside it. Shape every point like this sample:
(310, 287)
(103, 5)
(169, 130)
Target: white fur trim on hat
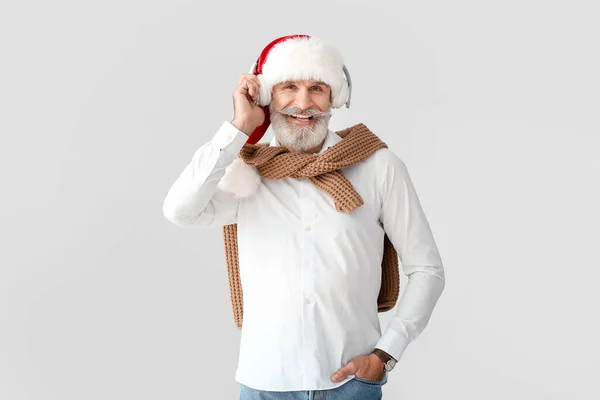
(240, 179)
(302, 59)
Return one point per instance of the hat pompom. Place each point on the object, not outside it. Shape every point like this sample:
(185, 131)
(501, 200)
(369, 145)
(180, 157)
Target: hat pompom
(240, 179)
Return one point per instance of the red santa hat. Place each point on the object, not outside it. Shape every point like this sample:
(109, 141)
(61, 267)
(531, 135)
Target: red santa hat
(301, 57)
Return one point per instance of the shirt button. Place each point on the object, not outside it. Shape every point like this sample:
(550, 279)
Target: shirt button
(307, 301)
(307, 228)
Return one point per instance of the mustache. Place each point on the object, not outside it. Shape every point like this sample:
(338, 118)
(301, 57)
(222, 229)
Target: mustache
(291, 110)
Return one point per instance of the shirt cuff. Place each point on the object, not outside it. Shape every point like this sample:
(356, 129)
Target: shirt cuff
(229, 138)
(393, 343)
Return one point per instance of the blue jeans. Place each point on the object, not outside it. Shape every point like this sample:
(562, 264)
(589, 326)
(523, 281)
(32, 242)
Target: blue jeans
(354, 389)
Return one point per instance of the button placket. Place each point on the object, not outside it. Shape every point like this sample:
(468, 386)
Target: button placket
(309, 248)
(309, 331)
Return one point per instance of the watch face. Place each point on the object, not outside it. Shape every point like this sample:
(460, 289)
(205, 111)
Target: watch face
(390, 364)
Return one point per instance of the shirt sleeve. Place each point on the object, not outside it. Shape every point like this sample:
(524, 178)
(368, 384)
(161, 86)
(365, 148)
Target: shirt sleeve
(194, 200)
(407, 228)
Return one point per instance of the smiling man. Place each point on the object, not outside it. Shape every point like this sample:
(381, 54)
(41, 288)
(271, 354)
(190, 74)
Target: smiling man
(314, 224)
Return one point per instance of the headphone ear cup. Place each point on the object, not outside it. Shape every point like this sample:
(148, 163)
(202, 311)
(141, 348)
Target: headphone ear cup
(264, 94)
(342, 97)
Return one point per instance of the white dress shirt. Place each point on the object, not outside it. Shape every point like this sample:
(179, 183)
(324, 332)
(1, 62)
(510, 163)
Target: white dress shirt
(310, 274)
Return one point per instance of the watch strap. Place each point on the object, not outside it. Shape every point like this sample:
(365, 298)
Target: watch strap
(385, 357)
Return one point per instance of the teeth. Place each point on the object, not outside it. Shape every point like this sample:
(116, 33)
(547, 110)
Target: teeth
(301, 116)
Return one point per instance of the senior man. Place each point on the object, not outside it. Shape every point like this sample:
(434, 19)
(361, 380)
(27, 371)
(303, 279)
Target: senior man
(312, 221)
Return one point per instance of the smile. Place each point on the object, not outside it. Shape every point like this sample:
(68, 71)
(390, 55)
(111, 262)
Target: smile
(302, 120)
(302, 117)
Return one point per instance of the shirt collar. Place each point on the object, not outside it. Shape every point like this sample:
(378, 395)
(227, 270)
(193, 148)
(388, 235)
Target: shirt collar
(331, 139)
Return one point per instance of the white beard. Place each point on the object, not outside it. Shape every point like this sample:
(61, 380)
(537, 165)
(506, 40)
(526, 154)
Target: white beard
(242, 180)
(295, 137)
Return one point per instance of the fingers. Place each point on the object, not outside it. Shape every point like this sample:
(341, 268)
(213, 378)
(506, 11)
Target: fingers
(346, 370)
(251, 77)
(249, 83)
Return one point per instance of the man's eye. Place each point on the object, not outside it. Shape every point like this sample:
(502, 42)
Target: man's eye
(317, 87)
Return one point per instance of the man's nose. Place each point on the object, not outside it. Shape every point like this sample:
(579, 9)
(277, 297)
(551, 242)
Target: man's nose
(303, 99)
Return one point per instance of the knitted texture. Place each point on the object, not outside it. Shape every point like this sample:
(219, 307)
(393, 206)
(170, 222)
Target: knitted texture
(278, 162)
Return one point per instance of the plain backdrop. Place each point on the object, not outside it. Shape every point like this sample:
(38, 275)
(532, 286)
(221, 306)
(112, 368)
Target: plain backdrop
(493, 106)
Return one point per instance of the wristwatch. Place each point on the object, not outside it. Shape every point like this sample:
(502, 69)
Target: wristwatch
(389, 362)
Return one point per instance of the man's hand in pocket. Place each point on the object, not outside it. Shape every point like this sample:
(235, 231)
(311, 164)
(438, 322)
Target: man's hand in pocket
(367, 367)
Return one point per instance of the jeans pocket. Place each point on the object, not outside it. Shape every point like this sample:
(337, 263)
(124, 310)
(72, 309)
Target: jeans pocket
(369, 381)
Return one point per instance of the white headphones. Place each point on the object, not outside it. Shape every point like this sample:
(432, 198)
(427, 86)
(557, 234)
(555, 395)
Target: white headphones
(264, 92)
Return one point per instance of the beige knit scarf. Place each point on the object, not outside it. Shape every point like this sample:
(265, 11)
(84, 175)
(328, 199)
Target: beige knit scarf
(277, 162)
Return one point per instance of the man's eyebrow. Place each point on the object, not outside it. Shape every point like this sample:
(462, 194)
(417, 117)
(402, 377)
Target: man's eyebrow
(313, 84)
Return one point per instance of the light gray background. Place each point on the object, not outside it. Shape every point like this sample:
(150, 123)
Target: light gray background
(493, 106)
